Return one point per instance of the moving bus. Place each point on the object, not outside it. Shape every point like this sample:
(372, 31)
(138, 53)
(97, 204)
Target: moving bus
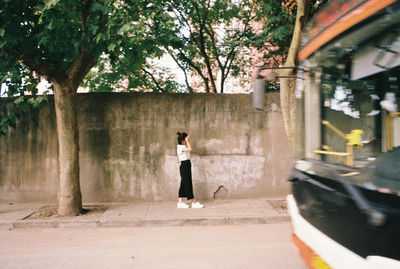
(345, 201)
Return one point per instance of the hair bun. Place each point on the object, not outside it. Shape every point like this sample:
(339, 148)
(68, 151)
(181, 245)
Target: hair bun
(178, 133)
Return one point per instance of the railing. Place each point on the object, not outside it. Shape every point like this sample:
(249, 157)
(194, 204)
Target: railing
(353, 139)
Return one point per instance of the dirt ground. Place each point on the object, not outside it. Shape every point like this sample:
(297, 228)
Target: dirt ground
(47, 212)
(279, 205)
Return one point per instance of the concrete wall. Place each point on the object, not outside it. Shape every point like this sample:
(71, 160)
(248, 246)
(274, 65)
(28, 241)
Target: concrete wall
(128, 148)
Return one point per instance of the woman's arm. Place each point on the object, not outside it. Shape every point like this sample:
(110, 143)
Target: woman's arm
(188, 147)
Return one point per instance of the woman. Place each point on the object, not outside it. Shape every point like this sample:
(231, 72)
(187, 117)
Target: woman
(186, 187)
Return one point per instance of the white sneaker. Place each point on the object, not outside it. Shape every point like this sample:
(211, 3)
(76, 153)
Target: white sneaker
(182, 205)
(197, 205)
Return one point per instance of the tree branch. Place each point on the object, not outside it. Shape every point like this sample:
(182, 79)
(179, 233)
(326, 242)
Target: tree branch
(49, 71)
(153, 78)
(80, 66)
(84, 15)
(211, 34)
(197, 69)
(181, 18)
(228, 70)
(184, 72)
(84, 61)
(203, 48)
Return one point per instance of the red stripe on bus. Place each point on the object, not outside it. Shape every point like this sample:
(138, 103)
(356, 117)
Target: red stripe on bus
(349, 20)
(312, 259)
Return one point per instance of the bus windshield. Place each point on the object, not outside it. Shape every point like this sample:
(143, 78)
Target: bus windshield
(351, 97)
(360, 96)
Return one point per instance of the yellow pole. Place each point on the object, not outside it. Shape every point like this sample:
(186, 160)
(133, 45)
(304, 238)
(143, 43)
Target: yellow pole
(328, 148)
(333, 128)
(350, 156)
(317, 151)
(389, 129)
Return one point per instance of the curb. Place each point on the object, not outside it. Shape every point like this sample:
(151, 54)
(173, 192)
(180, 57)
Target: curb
(98, 223)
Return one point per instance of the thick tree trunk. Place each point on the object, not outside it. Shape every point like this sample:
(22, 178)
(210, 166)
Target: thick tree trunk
(69, 192)
(288, 85)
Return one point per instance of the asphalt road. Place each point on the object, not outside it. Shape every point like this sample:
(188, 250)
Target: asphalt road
(234, 246)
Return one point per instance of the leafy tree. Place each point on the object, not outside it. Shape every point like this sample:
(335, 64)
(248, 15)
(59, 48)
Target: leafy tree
(283, 22)
(277, 21)
(118, 77)
(15, 81)
(61, 41)
(207, 37)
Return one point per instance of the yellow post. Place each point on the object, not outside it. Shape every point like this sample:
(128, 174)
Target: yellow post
(334, 153)
(389, 142)
(389, 129)
(353, 139)
(350, 156)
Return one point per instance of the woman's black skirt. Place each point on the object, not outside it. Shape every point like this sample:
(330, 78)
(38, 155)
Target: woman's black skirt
(186, 187)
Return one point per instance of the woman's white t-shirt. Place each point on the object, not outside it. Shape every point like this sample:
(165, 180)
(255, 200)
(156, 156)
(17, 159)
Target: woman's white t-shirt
(182, 155)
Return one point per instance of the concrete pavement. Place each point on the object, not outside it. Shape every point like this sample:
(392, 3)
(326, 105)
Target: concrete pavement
(136, 214)
(168, 247)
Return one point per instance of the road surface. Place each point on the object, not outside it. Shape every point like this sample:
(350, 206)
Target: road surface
(234, 246)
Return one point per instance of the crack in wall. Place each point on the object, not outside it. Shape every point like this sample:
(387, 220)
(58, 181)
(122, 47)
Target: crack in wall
(221, 192)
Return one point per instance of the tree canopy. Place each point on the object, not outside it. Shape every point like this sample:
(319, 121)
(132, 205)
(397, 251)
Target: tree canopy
(210, 41)
(50, 38)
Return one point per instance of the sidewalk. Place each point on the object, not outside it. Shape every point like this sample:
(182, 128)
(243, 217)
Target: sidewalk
(134, 214)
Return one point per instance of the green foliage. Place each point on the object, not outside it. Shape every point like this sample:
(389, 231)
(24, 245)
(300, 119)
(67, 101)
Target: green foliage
(204, 37)
(57, 31)
(118, 77)
(209, 37)
(54, 39)
(53, 33)
(12, 111)
(17, 81)
(272, 86)
(278, 24)
(278, 19)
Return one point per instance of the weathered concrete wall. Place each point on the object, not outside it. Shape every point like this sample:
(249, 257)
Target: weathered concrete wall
(128, 148)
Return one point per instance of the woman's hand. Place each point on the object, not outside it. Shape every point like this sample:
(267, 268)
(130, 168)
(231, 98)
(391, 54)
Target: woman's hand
(188, 147)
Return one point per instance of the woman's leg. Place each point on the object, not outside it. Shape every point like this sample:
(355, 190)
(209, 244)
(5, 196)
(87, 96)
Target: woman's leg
(181, 194)
(186, 187)
(182, 187)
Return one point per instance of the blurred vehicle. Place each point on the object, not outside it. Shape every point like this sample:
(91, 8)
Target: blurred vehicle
(345, 204)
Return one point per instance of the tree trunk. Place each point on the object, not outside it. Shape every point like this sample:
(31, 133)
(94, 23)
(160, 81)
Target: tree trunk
(288, 104)
(288, 85)
(69, 193)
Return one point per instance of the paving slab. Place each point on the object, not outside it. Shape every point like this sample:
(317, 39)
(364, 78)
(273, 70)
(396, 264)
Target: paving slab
(11, 212)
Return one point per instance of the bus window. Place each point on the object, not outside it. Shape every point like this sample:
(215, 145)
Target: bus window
(360, 99)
